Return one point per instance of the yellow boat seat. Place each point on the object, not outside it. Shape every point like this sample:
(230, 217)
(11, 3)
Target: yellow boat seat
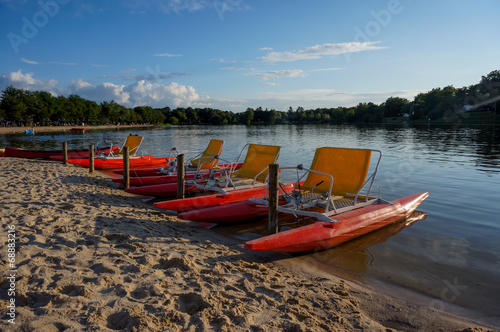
(206, 158)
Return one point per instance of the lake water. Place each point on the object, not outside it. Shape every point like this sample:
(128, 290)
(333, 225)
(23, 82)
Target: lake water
(451, 250)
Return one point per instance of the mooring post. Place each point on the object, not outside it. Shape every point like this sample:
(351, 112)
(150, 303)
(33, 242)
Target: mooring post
(91, 158)
(126, 168)
(272, 226)
(65, 153)
(180, 176)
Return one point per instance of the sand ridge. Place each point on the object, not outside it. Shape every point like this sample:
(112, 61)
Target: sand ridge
(90, 257)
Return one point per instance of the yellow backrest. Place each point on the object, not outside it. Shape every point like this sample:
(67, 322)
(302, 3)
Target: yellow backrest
(348, 167)
(257, 159)
(133, 143)
(214, 148)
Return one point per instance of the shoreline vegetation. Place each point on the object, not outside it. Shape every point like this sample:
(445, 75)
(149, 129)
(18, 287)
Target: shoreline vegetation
(55, 129)
(90, 256)
(478, 103)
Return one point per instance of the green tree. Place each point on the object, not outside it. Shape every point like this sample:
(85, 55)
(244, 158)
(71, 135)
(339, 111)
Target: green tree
(393, 106)
(247, 117)
(13, 104)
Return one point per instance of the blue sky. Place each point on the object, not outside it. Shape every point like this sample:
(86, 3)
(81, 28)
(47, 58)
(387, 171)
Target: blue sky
(234, 54)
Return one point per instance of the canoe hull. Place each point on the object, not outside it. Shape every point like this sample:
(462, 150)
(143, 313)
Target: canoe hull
(324, 235)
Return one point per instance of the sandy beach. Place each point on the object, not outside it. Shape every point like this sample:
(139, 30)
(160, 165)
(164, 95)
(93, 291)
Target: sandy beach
(89, 257)
(21, 130)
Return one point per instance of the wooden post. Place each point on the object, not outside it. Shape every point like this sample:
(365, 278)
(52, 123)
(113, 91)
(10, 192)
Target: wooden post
(91, 158)
(272, 226)
(65, 153)
(126, 168)
(180, 176)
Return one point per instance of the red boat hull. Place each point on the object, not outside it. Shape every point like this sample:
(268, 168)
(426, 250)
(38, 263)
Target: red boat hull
(32, 154)
(140, 181)
(231, 212)
(323, 235)
(158, 190)
(157, 171)
(110, 163)
(200, 206)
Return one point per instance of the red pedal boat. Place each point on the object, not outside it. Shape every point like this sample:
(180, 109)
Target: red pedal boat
(202, 162)
(325, 234)
(117, 162)
(163, 171)
(140, 181)
(202, 205)
(336, 193)
(251, 175)
(34, 154)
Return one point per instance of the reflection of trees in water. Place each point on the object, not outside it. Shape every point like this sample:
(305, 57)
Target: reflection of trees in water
(479, 146)
(488, 149)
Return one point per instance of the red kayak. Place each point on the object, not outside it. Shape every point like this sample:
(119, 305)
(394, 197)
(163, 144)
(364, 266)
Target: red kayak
(201, 205)
(117, 162)
(324, 235)
(33, 154)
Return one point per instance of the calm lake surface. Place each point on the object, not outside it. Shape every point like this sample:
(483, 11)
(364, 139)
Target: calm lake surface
(449, 250)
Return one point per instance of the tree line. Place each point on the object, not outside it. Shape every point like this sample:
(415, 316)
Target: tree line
(24, 107)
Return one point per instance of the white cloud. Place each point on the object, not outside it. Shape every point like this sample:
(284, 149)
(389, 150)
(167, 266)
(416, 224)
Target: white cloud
(139, 93)
(102, 92)
(312, 98)
(32, 62)
(169, 5)
(29, 61)
(63, 63)
(26, 81)
(220, 60)
(280, 73)
(155, 94)
(168, 55)
(326, 69)
(319, 51)
(238, 68)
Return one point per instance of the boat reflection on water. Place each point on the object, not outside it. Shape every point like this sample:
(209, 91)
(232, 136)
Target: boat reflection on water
(350, 259)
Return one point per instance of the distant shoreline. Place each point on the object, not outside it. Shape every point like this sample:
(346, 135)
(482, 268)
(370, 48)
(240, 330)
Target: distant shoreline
(21, 130)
